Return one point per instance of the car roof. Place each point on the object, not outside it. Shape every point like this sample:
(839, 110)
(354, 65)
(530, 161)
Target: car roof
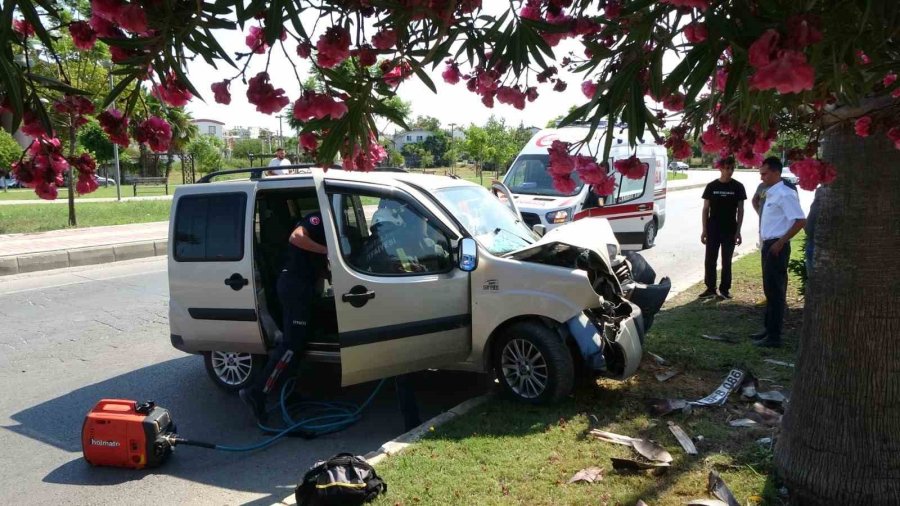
(429, 182)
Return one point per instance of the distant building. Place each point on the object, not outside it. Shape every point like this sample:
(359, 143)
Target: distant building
(401, 139)
(210, 127)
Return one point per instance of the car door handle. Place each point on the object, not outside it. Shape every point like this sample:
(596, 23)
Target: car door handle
(358, 296)
(643, 207)
(236, 281)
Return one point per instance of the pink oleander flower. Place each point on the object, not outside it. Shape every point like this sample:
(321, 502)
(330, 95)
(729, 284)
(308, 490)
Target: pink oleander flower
(256, 40)
(107, 9)
(488, 99)
(172, 91)
(711, 140)
(561, 162)
(862, 57)
(531, 93)
(531, 10)
(803, 30)
(863, 126)
(104, 27)
(696, 33)
(385, 39)
(83, 36)
(84, 164)
(304, 50)
(86, 184)
(630, 167)
(511, 96)
(264, 96)
(155, 132)
(889, 79)
(681, 149)
(721, 79)
(787, 73)
(32, 126)
(696, 4)
(811, 172)
(586, 26)
(74, 104)
(612, 9)
(363, 158)
(894, 135)
(366, 55)
(761, 146)
(674, 102)
(764, 49)
(333, 47)
(589, 88)
(564, 185)
(308, 141)
(560, 85)
(451, 74)
(220, 92)
(312, 105)
(46, 191)
(605, 187)
(133, 18)
(115, 124)
(23, 28)
(748, 158)
(397, 74)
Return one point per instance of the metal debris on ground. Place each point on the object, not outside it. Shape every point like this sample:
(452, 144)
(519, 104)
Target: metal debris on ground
(683, 439)
(634, 465)
(590, 475)
(764, 441)
(732, 381)
(772, 396)
(778, 362)
(728, 340)
(743, 422)
(612, 437)
(706, 502)
(766, 415)
(652, 451)
(659, 360)
(640, 503)
(659, 407)
(717, 487)
(664, 376)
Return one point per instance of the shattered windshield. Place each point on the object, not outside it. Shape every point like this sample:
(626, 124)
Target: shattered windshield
(529, 176)
(486, 219)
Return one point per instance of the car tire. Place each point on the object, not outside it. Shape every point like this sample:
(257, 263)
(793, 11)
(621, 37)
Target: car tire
(650, 234)
(533, 364)
(232, 371)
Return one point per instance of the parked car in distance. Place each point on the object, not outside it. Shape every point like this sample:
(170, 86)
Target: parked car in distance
(676, 166)
(9, 182)
(789, 176)
(104, 180)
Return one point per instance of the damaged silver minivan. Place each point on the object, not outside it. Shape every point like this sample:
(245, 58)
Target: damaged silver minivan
(425, 272)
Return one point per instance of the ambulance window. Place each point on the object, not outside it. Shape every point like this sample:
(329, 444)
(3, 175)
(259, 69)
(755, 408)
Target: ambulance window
(631, 189)
(210, 228)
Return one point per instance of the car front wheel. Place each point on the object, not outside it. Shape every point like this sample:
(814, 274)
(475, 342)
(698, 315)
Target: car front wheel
(533, 364)
(232, 371)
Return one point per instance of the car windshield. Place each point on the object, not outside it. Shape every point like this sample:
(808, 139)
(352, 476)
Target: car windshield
(529, 176)
(486, 219)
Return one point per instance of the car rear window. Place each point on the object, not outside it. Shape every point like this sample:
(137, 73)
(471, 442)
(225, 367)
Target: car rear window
(210, 228)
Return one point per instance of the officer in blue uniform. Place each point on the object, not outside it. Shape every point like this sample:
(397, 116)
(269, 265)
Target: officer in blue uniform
(306, 259)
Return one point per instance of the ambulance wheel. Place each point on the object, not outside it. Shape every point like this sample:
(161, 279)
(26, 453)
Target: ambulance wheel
(232, 371)
(650, 234)
(533, 364)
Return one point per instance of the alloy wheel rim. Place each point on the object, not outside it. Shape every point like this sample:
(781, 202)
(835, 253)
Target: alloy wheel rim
(524, 368)
(232, 368)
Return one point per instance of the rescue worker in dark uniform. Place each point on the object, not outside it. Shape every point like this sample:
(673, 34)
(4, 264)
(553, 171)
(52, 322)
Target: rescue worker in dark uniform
(306, 260)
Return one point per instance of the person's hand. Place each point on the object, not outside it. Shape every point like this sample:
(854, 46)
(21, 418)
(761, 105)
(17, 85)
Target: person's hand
(738, 240)
(775, 249)
(703, 238)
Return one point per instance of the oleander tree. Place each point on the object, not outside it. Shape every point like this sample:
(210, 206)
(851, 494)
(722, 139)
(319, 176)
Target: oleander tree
(731, 73)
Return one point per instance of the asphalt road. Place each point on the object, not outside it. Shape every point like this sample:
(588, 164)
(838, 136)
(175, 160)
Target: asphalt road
(69, 338)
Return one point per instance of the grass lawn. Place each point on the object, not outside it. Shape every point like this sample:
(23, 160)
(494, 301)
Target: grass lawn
(674, 176)
(103, 191)
(42, 217)
(511, 453)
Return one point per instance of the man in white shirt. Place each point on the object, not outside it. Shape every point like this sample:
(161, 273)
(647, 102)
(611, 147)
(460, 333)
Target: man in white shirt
(276, 162)
(782, 218)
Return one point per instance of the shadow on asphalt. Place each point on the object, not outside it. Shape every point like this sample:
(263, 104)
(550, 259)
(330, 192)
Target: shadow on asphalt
(204, 412)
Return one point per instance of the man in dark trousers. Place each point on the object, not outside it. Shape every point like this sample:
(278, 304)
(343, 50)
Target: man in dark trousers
(723, 215)
(782, 218)
(306, 259)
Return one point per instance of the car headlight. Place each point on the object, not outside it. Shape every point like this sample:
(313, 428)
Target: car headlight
(561, 216)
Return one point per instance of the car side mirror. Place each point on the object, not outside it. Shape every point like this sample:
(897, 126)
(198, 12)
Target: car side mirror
(539, 229)
(468, 254)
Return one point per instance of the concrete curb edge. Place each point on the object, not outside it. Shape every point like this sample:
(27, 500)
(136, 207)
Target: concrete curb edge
(76, 257)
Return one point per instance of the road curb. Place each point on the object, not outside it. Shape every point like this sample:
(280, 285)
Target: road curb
(686, 187)
(77, 257)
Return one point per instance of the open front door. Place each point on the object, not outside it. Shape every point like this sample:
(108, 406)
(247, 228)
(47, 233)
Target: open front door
(498, 188)
(211, 268)
(402, 304)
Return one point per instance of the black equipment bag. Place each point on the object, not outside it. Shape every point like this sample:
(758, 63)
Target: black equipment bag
(344, 479)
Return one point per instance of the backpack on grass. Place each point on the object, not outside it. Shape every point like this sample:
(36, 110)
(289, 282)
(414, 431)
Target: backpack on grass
(344, 479)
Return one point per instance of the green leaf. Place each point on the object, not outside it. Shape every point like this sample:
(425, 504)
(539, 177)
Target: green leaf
(55, 84)
(117, 90)
(425, 79)
(31, 15)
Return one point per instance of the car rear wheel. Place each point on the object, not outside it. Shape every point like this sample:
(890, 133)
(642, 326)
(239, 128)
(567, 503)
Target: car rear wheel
(533, 364)
(232, 371)
(650, 234)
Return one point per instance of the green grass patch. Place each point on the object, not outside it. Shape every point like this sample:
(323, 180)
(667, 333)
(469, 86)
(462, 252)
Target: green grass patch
(102, 192)
(43, 217)
(675, 176)
(506, 452)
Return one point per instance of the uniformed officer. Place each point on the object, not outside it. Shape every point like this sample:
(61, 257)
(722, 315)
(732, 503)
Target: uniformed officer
(306, 260)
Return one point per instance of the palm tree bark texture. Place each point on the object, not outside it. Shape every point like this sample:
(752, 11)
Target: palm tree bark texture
(841, 435)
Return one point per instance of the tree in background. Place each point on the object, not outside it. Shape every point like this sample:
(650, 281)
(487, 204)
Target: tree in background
(427, 123)
(10, 151)
(243, 148)
(207, 152)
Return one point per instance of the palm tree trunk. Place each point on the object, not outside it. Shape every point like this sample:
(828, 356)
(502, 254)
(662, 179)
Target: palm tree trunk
(73, 222)
(841, 434)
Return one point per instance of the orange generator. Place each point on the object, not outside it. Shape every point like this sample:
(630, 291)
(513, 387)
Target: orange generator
(123, 433)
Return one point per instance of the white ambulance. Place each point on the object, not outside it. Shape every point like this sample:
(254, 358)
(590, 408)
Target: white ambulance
(636, 210)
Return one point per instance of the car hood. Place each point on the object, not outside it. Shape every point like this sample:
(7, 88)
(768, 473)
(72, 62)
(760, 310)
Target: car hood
(593, 234)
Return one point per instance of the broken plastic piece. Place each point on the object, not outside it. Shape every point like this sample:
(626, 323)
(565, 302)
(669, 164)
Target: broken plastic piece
(660, 407)
(772, 396)
(717, 487)
(743, 422)
(652, 451)
(778, 362)
(764, 441)
(590, 475)
(612, 437)
(720, 395)
(683, 439)
(766, 415)
(664, 376)
(634, 465)
(706, 502)
(659, 360)
(719, 338)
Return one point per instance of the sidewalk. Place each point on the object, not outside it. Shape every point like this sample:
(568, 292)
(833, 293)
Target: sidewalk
(21, 253)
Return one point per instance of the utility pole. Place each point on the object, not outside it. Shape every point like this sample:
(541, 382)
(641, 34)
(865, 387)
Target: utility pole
(452, 162)
(116, 151)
